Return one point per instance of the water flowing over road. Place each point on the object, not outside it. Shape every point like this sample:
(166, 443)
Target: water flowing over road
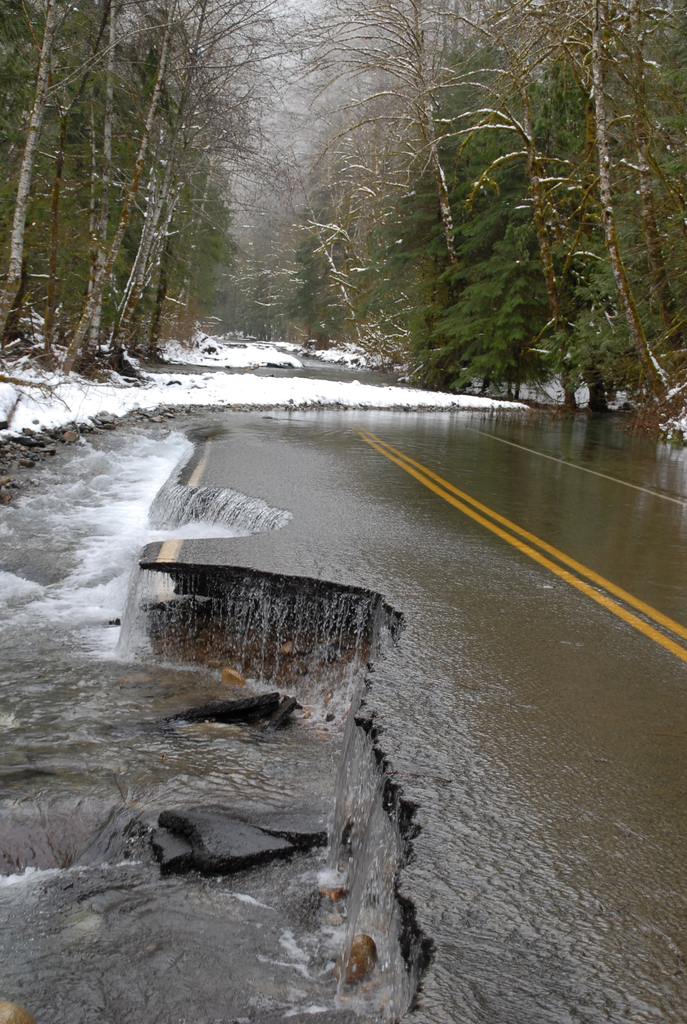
(536, 734)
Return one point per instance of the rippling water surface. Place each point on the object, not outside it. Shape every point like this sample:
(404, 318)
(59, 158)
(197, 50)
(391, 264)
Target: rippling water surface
(541, 738)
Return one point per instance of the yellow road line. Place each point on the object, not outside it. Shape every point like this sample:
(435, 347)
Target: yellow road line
(634, 602)
(169, 551)
(575, 465)
(407, 464)
(195, 477)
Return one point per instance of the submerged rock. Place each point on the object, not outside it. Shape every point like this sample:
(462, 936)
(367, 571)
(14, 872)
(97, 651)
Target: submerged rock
(334, 894)
(232, 677)
(221, 843)
(174, 853)
(10, 1013)
(361, 960)
(231, 710)
(279, 717)
(304, 829)
(216, 841)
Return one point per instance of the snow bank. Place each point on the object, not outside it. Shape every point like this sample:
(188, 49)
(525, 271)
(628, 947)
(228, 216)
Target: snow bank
(75, 399)
(211, 351)
(350, 355)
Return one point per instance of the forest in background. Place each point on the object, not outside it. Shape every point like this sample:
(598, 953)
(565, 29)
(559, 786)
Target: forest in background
(121, 127)
(490, 194)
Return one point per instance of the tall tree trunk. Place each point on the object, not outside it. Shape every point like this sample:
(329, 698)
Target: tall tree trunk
(156, 319)
(105, 269)
(657, 269)
(610, 231)
(50, 301)
(100, 243)
(429, 136)
(539, 208)
(137, 277)
(150, 234)
(13, 279)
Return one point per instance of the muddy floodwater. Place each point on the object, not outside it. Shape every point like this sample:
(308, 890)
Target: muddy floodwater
(505, 803)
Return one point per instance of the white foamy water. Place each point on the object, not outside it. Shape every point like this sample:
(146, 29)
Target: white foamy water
(73, 544)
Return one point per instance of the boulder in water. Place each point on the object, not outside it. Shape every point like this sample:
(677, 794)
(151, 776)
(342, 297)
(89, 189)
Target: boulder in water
(334, 894)
(216, 841)
(10, 1013)
(221, 843)
(232, 677)
(361, 960)
(174, 853)
(282, 713)
(231, 710)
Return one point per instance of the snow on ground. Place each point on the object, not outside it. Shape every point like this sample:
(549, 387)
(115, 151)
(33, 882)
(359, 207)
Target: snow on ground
(350, 354)
(675, 427)
(211, 351)
(75, 399)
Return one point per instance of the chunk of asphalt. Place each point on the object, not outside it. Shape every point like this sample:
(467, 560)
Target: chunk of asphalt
(304, 829)
(279, 717)
(231, 710)
(222, 843)
(174, 853)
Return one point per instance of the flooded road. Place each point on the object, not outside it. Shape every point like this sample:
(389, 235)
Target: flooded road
(541, 737)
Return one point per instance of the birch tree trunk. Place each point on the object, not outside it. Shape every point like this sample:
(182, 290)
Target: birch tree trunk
(429, 136)
(100, 242)
(104, 270)
(610, 231)
(150, 235)
(137, 277)
(49, 324)
(13, 279)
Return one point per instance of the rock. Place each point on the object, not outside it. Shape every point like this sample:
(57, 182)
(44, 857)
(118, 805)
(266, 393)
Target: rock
(27, 463)
(10, 1013)
(304, 829)
(29, 442)
(70, 436)
(108, 426)
(232, 677)
(231, 710)
(287, 648)
(157, 419)
(279, 717)
(334, 894)
(222, 843)
(361, 960)
(174, 853)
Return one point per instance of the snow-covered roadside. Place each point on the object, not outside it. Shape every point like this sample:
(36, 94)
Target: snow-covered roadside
(211, 351)
(75, 399)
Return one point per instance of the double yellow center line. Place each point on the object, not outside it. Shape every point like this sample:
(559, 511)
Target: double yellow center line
(477, 511)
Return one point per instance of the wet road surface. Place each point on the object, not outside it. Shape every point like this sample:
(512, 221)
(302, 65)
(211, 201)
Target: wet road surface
(542, 737)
